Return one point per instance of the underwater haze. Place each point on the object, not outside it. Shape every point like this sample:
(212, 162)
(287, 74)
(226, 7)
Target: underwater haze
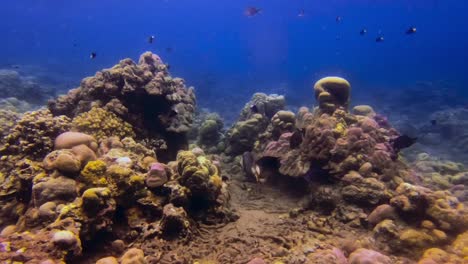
(224, 54)
(233, 131)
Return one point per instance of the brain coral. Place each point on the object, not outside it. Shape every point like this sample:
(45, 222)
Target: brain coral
(331, 93)
(101, 123)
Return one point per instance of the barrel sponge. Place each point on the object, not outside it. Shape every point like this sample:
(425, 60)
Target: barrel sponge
(332, 92)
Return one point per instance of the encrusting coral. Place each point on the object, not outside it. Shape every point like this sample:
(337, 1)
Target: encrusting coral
(101, 124)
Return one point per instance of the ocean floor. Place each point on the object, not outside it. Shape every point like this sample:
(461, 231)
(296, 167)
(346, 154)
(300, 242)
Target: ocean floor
(126, 169)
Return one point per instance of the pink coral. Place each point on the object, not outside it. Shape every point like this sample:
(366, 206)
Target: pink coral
(156, 175)
(367, 256)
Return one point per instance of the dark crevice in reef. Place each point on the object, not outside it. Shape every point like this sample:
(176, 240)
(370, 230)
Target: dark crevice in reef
(155, 111)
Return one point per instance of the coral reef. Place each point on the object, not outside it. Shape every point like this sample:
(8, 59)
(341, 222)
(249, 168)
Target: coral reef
(8, 119)
(15, 105)
(12, 84)
(253, 120)
(207, 132)
(111, 181)
(101, 124)
(332, 93)
(143, 95)
(33, 134)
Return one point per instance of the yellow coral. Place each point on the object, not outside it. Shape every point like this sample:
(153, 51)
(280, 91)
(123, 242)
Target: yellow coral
(340, 129)
(101, 123)
(415, 238)
(94, 172)
(460, 245)
(216, 181)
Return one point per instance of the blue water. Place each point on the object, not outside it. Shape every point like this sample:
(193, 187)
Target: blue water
(228, 56)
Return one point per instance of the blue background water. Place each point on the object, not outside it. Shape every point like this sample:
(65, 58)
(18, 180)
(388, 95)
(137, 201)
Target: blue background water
(228, 56)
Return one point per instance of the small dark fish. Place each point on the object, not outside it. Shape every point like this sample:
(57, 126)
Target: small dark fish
(433, 122)
(296, 139)
(151, 39)
(169, 49)
(15, 66)
(338, 19)
(92, 55)
(173, 113)
(379, 39)
(363, 32)
(403, 141)
(168, 66)
(248, 165)
(254, 108)
(75, 45)
(252, 11)
(411, 30)
(301, 13)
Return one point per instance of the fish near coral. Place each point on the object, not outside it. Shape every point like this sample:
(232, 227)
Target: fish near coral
(402, 142)
(251, 169)
(296, 138)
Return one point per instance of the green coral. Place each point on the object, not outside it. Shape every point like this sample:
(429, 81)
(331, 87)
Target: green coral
(101, 124)
(199, 175)
(210, 130)
(242, 136)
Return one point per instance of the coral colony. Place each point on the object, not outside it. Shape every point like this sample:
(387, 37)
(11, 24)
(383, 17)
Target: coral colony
(125, 169)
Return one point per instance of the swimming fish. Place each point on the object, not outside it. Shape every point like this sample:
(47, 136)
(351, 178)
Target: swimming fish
(301, 13)
(296, 138)
(92, 55)
(252, 11)
(433, 122)
(338, 19)
(411, 30)
(403, 141)
(363, 32)
(151, 39)
(254, 108)
(379, 39)
(247, 162)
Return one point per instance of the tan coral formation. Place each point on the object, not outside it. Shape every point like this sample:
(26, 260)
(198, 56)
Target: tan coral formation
(332, 93)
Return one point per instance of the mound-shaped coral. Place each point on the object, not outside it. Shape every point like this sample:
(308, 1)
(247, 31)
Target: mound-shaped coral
(253, 120)
(332, 93)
